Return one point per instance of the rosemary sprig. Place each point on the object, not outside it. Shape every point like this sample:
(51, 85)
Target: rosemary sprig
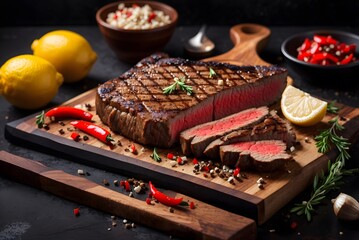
(321, 186)
(327, 138)
(179, 82)
(322, 183)
(212, 73)
(155, 156)
(332, 108)
(40, 119)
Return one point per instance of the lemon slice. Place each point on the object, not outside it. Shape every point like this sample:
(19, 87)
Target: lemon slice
(300, 108)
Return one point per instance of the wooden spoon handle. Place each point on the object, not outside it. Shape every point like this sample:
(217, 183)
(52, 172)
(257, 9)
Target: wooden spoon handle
(248, 39)
(203, 222)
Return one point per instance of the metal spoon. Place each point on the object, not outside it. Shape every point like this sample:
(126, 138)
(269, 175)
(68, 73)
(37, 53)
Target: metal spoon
(199, 46)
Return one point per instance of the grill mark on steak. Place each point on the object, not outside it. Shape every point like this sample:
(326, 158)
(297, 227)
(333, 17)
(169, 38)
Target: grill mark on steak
(195, 140)
(138, 95)
(271, 128)
(263, 156)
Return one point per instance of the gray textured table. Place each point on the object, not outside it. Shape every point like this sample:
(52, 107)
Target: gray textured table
(27, 213)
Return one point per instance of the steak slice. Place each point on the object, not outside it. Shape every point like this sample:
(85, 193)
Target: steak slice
(263, 156)
(196, 139)
(134, 104)
(271, 128)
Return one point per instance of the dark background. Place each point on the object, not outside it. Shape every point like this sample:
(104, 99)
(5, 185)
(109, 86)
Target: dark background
(192, 12)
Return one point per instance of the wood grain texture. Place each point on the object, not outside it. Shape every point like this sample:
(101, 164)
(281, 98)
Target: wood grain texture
(203, 222)
(244, 198)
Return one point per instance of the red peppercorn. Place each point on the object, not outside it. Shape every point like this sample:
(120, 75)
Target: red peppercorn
(148, 201)
(127, 186)
(294, 225)
(236, 172)
(76, 211)
(191, 205)
(170, 156)
(133, 149)
(205, 169)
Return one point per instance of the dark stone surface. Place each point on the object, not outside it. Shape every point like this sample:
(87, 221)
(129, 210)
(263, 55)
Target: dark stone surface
(27, 213)
(212, 12)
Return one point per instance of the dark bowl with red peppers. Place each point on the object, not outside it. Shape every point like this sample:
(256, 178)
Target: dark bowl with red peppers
(323, 57)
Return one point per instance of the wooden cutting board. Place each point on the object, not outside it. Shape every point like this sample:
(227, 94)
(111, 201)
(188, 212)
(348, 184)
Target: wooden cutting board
(202, 222)
(244, 198)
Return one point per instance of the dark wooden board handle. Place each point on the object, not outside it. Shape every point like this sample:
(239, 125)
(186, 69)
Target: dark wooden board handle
(203, 222)
(248, 39)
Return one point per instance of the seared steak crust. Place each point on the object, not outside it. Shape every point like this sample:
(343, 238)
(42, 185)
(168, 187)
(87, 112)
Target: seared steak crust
(134, 104)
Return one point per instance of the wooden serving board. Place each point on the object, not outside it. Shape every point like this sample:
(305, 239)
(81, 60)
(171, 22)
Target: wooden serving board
(244, 198)
(202, 222)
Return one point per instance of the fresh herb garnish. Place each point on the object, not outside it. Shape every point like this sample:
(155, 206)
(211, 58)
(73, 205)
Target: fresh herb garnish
(321, 186)
(327, 138)
(212, 73)
(155, 156)
(179, 82)
(40, 119)
(322, 183)
(332, 108)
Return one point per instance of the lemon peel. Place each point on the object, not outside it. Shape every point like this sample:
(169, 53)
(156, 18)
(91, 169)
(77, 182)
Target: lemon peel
(29, 82)
(69, 52)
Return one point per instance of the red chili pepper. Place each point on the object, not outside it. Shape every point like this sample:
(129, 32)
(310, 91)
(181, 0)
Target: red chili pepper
(191, 205)
(325, 50)
(347, 59)
(94, 130)
(319, 57)
(304, 56)
(75, 136)
(306, 45)
(170, 156)
(163, 198)
(63, 112)
(315, 48)
(151, 16)
(179, 161)
(195, 161)
(69, 112)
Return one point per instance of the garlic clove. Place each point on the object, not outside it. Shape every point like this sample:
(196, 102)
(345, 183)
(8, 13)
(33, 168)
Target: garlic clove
(346, 207)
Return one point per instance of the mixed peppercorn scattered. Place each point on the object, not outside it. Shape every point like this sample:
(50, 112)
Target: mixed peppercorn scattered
(326, 50)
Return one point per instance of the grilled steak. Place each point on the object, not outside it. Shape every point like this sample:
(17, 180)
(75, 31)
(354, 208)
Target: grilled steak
(271, 128)
(134, 104)
(262, 156)
(196, 139)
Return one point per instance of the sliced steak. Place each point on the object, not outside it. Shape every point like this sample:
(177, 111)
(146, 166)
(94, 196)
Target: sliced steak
(261, 156)
(271, 128)
(196, 139)
(134, 104)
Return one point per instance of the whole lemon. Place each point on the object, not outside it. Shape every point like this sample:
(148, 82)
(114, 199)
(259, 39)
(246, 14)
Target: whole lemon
(29, 82)
(68, 51)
